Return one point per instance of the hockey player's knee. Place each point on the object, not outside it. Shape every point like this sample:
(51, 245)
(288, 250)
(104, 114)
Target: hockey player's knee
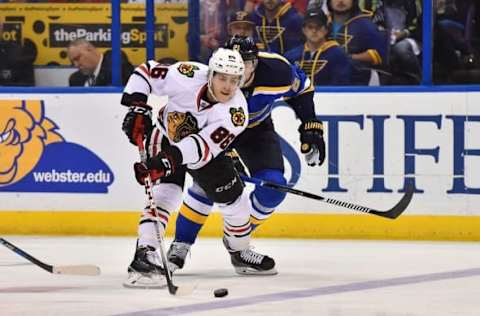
(267, 197)
(168, 196)
(197, 199)
(192, 215)
(238, 211)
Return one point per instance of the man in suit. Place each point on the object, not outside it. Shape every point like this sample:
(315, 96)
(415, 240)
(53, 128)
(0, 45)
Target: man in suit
(94, 68)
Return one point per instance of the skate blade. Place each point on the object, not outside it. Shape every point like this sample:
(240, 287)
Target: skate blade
(250, 271)
(139, 281)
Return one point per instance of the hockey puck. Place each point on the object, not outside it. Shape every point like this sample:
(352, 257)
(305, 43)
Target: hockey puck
(220, 292)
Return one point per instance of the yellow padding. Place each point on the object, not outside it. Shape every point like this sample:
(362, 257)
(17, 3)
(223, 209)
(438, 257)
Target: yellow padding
(192, 215)
(280, 225)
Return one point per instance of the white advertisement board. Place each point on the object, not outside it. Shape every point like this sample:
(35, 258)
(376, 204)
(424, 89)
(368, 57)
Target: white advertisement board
(67, 152)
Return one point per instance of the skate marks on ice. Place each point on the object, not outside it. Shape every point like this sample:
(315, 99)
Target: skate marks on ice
(320, 291)
(341, 278)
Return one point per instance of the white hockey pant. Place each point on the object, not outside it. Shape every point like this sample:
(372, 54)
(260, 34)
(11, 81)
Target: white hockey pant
(168, 198)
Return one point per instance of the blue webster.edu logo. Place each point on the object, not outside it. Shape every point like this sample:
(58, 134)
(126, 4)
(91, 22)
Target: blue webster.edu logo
(34, 157)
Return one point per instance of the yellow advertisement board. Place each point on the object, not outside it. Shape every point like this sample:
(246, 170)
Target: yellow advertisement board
(46, 29)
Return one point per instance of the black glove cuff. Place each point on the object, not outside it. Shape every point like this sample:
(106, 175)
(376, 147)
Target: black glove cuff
(311, 125)
(174, 153)
(141, 108)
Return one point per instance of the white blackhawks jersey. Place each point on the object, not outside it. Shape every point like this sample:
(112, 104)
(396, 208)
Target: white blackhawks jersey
(201, 130)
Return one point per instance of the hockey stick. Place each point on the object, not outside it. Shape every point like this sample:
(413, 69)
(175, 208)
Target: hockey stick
(73, 270)
(392, 213)
(172, 288)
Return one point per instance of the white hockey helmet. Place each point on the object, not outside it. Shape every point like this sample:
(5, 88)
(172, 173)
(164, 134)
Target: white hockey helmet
(226, 61)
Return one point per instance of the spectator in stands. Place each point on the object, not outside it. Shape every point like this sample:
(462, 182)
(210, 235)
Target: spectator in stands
(250, 5)
(318, 4)
(399, 18)
(360, 38)
(218, 18)
(16, 65)
(240, 23)
(324, 61)
(299, 5)
(94, 68)
(453, 50)
(213, 25)
(278, 25)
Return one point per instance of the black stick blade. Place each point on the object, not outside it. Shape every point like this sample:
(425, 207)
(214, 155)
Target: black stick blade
(392, 213)
(400, 207)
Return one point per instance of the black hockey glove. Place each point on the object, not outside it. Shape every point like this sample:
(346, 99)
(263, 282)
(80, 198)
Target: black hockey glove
(137, 121)
(160, 166)
(313, 145)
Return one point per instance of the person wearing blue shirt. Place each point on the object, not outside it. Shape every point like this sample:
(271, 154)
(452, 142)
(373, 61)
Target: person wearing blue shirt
(278, 26)
(360, 38)
(324, 61)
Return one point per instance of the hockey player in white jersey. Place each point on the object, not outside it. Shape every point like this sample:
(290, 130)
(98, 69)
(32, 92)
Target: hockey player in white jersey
(205, 112)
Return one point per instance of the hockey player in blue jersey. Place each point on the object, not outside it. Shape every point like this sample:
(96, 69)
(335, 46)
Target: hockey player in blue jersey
(268, 78)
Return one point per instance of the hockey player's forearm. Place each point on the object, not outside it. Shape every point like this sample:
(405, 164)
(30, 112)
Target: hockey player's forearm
(303, 106)
(194, 149)
(370, 56)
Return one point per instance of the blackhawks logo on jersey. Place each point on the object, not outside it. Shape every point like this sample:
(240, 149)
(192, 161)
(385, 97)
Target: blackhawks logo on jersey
(238, 116)
(181, 125)
(187, 69)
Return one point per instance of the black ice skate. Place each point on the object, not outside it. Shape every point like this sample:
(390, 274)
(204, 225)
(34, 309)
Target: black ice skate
(145, 270)
(249, 262)
(177, 254)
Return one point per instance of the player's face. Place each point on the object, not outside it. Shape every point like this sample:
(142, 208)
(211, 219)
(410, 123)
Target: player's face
(242, 29)
(83, 57)
(271, 4)
(249, 69)
(224, 86)
(341, 5)
(314, 32)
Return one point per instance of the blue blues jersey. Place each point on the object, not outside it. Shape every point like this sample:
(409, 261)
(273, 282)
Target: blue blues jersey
(328, 65)
(275, 78)
(280, 34)
(359, 34)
